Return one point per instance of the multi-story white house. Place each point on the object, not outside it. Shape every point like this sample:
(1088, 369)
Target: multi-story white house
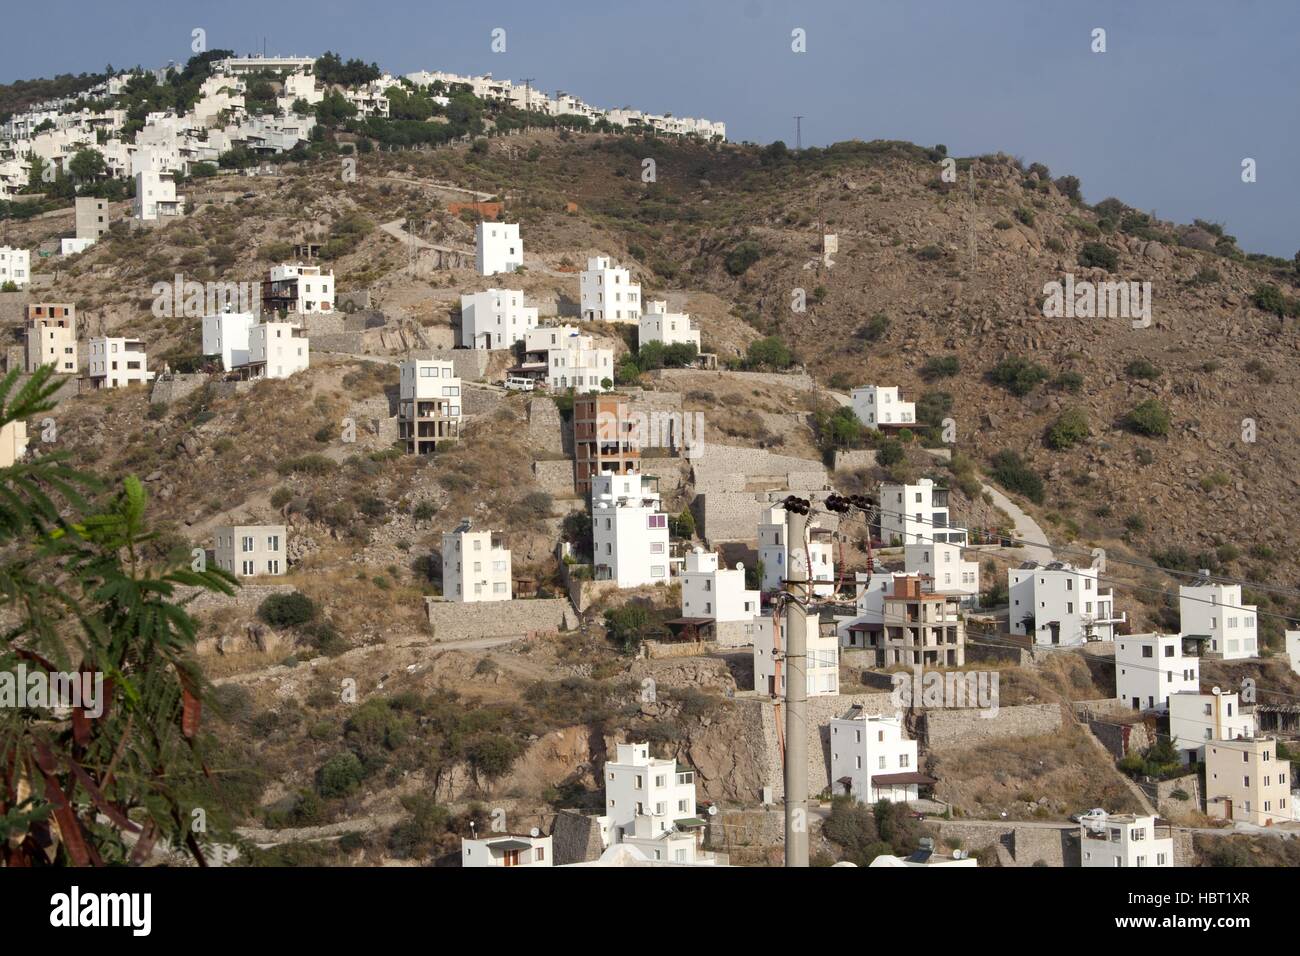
(298, 288)
(1293, 649)
(1125, 840)
(629, 531)
(1150, 667)
(878, 406)
(507, 849)
(774, 554)
(650, 804)
(476, 565)
(115, 362)
(872, 589)
(821, 666)
(495, 319)
(226, 334)
(943, 564)
(670, 328)
(1245, 780)
(52, 336)
(872, 759)
(1216, 611)
(497, 247)
(901, 622)
(249, 550)
(916, 514)
(577, 364)
(15, 266)
(1197, 719)
(608, 293)
(155, 196)
(1060, 605)
(714, 592)
(428, 405)
(277, 350)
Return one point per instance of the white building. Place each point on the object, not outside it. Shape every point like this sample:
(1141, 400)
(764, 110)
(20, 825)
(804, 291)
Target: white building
(1216, 611)
(249, 550)
(916, 514)
(1197, 719)
(1293, 649)
(774, 555)
(872, 589)
(879, 406)
(277, 350)
(13, 442)
(115, 362)
(650, 805)
(1150, 667)
(428, 406)
(298, 288)
(821, 666)
(507, 849)
(629, 531)
(52, 336)
(155, 196)
(670, 328)
(1060, 605)
(1125, 840)
(497, 247)
(495, 319)
(608, 293)
(1246, 781)
(943, 564)
(226, 334)
(476, 565)
(15, 266)
(577, 364)
(718, 593)
(872, 759)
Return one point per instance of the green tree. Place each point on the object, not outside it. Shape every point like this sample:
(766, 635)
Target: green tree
(769, 352)
(120, 776)
(88, 165)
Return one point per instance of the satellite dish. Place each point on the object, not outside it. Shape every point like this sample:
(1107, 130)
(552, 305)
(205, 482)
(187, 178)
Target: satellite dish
(1216, 692)
(959, 854)
(534, 832)
(713, 811)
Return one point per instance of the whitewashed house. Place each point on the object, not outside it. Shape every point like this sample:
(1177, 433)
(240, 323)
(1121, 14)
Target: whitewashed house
(15, 266)
(608, 293)
(1197, 719)
(497, 247)
(670, 328)
(821, 666)
(298, 288)
(872, 589)
(1125, 840)
(916, 514)
(52, 336)
(712, 591)
(879, 406)
(948, 571)
(650, 805)
(428, 405)
(250, 550)
(155, 196)
(117, 362)
(576, 363)
(629, 531)
(1216, 611)
(495, 319)
(1060, 605)
(872, 759)
(773, 553)
(13, 442)
(476, 565)
(507, 849)
(226, 335)
(277, 350)
(1293, 649)
(1150, 667)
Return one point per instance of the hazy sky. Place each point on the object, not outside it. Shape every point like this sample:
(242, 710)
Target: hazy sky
(1185, 90)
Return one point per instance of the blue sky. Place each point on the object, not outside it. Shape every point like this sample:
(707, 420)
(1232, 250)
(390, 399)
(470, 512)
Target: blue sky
(1162, 119)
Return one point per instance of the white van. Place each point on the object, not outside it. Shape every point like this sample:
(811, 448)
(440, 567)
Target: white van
(517, 383)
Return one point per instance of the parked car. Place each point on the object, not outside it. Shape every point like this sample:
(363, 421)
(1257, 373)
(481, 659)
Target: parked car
(1095, 815)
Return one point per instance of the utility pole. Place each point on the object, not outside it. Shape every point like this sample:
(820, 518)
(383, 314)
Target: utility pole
(798, 589)
(798, 133)
(528, 99)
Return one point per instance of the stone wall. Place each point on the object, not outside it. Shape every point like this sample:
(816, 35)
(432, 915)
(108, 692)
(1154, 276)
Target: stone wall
(246, 599)
(575, 838)
(468, 364)
(479, 401)
(462, 621)
(351, 342)
(555, 476)
(967, 728)
(855, 459)
(661, 650)
(1161, 794)
(168, 389)
(545, 426)
(1022, 845)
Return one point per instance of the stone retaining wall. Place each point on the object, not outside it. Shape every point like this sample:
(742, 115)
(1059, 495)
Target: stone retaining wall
(967, 728)
(175, 387)
(463, 621)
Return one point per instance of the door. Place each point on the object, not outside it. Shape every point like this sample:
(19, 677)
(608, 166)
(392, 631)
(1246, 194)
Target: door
(511, 858)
